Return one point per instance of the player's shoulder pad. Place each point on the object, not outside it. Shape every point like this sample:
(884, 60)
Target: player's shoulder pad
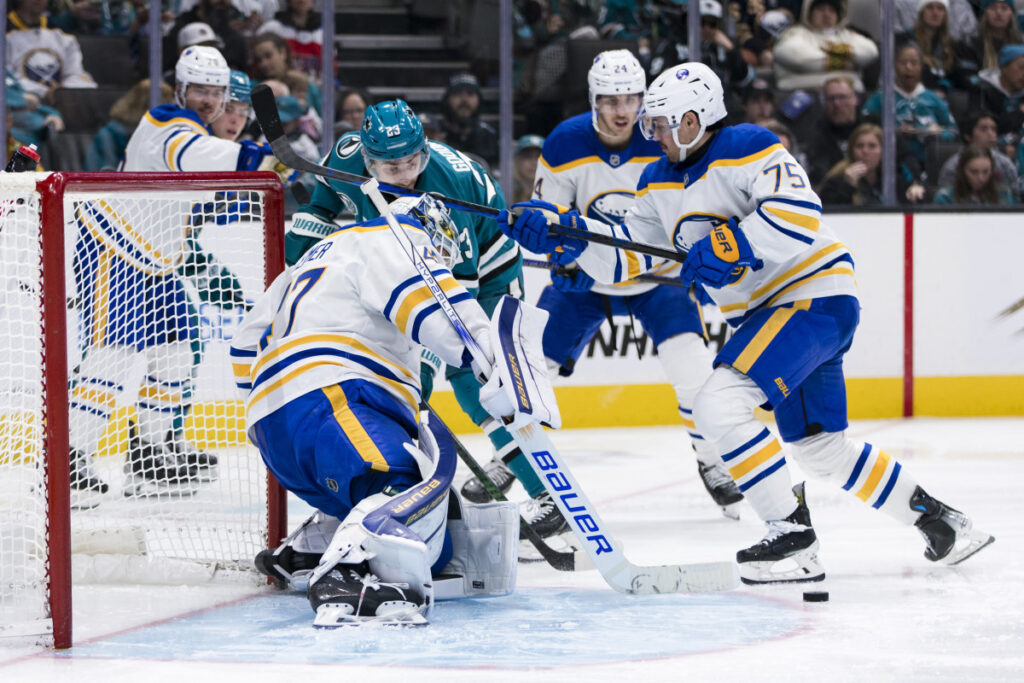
(168, 112)
(568, 141)
(741, 141)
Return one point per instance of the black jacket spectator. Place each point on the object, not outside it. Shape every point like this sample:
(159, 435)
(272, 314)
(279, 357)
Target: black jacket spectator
(461, 122)
(220, 15)
(1001, 91)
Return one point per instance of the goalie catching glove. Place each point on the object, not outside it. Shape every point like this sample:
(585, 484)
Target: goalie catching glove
(527, 223)
(720, 258)
(519, 392)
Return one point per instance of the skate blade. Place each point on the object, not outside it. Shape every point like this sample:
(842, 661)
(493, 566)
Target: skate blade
(563, 543)
(331, 615)
(803, 567)
(976, 541)
(731, 511)
(136, 489)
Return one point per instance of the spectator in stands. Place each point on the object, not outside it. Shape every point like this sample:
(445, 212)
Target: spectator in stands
(352, 104)
(828, 137)
(463, 129)
(920, 113)
(931, 33)
(98, 17)
(961, 17)
(997, 27)
(300, 26)
(43, 59)
(821, 46)
(857, 179)
(758, 102)
(431, 126)
(787, 139)
(1001, 91)
(759, 35)
(222, 17)
(980, 129)
(31, 122)
(524, 166)
(975, 181)
(272, 59)
(107, 147)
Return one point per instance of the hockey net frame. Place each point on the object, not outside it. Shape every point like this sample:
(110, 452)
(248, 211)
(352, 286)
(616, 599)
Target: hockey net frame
(51, 191)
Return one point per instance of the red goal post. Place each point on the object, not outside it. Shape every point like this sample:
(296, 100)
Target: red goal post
(51, 197)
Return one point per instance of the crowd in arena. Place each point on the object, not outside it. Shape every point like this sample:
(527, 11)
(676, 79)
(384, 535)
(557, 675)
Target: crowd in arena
(808, 70)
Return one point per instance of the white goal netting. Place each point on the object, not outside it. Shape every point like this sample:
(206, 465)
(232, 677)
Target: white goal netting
(164, 486)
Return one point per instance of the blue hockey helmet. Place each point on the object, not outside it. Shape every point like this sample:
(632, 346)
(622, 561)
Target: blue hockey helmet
(391, 131)
(239, 87)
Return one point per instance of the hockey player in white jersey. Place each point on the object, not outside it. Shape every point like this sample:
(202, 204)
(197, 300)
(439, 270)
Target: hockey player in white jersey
(329, 361)
(743, 211)
(134, 303)
(592, 162)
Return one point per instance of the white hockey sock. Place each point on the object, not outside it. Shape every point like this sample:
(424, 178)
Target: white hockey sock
(97, 383)
(758, 467)
(688, 362)
(166, 386)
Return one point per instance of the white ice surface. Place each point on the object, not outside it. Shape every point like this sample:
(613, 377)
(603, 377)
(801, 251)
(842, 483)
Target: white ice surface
(892, 616)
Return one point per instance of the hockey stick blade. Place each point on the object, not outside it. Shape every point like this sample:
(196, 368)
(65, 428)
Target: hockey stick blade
(265, 107)
(562, 561)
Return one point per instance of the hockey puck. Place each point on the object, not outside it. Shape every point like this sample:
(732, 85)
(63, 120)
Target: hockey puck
(815, 596)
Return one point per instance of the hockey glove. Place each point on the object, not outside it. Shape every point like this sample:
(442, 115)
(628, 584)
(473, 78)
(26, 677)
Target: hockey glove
(719, 259)
(572, 279)
(251, 155)
(527, 223)
(494, 398)
(430, 365)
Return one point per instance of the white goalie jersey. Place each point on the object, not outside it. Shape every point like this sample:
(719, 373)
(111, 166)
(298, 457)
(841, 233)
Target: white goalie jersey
(576, 170)
(354, 307)
(745, 173)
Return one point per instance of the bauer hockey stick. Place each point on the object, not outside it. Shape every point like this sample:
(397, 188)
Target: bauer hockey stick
(604, 551)
(265, 107)
(568, 561)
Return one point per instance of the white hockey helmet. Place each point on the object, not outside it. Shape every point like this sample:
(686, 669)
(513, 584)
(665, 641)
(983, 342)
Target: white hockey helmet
(614, 72)
(691, 86)
(202, 65)
(437, 222)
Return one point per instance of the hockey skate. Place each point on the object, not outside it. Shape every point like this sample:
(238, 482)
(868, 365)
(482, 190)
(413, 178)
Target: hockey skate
(544, 517)
(349, 595)
(205, 463)
(787, 554)
(151, 470)
(87, 488)
(721, 488)
(500, 474)
(291, 563)
(948, 533)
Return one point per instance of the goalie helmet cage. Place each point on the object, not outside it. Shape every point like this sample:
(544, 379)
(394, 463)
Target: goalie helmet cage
(36, 525)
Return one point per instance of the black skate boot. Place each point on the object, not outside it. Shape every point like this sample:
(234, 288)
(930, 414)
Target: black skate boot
(544, 517)
(283, 563)
(83, 476)
(497, 469)
(721, 487)
(349, 594)
(152, 470)
(948, 534)
(790, 541)
(189, 455)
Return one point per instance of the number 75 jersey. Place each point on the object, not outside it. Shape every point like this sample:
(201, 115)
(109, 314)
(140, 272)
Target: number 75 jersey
(746, 173)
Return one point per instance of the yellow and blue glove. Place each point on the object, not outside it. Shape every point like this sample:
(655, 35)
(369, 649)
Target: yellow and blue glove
(569, 277)
(719, 259)
(527, 223)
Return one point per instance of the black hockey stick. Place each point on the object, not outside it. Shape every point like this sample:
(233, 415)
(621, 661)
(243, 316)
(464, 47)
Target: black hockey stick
(265, 107)
(563, 270)
(562, 561)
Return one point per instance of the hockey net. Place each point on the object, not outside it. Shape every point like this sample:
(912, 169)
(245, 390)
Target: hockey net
(123, 456)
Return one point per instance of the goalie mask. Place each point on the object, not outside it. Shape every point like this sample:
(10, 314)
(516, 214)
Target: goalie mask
(437, 222)
(683, 88)
(614, 72)
(391, 132)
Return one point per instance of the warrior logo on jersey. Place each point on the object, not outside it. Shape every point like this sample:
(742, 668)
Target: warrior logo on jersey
(692, 227)
(347, 147)
(610, 207)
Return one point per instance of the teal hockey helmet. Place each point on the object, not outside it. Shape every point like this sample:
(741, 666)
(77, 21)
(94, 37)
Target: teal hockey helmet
(239, 87)
(391, 131)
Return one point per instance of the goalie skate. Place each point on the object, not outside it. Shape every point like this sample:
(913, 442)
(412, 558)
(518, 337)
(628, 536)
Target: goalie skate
(351, 595)
(787, 554)
(721, 487)
(948, 533)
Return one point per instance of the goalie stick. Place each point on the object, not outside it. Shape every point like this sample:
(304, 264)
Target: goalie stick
(562, 561)
(605, 552)
(265, 107)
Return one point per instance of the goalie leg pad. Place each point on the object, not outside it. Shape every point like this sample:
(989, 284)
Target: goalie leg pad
(517, 331)
(485, 551)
